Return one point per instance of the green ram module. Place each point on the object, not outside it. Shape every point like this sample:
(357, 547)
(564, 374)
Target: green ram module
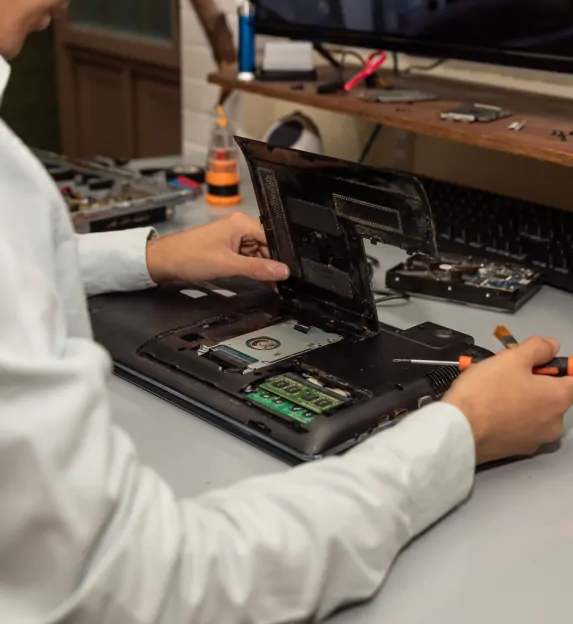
(305, 395)
(281, 406)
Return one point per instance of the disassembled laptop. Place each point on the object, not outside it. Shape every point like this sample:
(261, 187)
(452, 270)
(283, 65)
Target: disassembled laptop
(311, 371)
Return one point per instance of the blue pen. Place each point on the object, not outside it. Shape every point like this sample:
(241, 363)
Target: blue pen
(246, 11)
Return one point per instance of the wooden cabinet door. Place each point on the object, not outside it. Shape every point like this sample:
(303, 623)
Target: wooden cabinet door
(119, 78)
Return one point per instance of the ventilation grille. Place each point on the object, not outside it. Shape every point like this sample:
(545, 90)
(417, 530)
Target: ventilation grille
(442, 378)
(275, 210)
(371, 215)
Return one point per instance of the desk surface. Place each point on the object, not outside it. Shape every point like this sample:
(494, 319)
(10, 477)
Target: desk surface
(504, 557)
(543, 114)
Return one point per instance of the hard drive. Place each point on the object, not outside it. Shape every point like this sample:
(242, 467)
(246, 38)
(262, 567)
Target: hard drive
(468, 280)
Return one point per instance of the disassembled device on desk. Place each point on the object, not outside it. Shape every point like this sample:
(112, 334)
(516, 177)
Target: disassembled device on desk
(393, 96)
(308, 371)
(470, 113)
(463, 279)
(103, 197)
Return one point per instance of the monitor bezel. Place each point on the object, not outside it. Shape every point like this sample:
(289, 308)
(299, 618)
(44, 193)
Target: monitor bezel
(415, 47)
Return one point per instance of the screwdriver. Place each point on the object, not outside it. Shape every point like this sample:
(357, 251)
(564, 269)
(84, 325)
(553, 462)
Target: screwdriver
(558, 367)
(505, 337)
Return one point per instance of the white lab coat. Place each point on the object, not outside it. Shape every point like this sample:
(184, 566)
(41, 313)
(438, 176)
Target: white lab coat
(89, 535)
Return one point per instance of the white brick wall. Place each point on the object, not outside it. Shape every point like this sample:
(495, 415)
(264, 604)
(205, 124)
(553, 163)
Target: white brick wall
(199, 97)
(344, 136)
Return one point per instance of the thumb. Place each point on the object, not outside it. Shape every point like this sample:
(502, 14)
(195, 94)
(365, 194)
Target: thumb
(537, 351)
(261, 269)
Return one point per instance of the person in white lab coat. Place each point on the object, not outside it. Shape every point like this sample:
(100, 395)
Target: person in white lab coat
(89, 535)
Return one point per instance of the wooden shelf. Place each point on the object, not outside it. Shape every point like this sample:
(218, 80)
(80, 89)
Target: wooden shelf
(542, 114)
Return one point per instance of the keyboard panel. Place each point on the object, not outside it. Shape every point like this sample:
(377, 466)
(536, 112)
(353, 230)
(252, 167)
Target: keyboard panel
(480, 223)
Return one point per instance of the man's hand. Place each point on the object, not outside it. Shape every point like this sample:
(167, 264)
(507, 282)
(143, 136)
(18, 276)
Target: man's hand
(232, 247)
(513, 412)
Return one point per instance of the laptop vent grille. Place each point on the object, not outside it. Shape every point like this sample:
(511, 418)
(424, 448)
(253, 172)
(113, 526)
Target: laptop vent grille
(276, 211)
(442, 378)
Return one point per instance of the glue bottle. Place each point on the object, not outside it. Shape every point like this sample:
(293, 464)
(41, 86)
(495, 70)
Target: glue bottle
(222, 176)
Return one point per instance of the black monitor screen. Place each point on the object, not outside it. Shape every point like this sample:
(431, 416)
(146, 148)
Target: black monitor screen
(534, 33)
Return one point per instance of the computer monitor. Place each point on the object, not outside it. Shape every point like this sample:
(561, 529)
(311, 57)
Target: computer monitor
(529, 33)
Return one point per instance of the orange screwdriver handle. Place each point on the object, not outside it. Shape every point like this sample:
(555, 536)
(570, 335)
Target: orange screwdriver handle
(466, 361)
(559, 367)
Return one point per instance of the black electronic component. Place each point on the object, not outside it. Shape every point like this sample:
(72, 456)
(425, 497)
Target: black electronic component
(228, 358)
(507, 32)
(479, 223)
(100, 185)
(464, 279)
(62, 174)
(328, 88)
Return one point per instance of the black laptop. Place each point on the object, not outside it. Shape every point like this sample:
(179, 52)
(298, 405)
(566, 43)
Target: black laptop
(310, 371)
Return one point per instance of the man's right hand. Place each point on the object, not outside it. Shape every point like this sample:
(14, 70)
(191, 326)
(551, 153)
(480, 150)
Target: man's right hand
(513, 412)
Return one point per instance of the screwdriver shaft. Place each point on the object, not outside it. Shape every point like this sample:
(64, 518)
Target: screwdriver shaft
(427, 362)
(559, 367)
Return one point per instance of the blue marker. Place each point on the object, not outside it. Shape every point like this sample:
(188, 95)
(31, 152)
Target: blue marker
(246, 12)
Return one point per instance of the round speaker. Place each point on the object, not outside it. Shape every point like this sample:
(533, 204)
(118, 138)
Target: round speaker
(296, 131)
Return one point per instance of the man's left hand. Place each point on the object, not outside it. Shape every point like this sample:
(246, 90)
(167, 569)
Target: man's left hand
(235, 246)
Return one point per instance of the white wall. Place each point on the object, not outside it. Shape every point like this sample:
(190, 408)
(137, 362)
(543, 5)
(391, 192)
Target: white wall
(199, 97)
(344, 137)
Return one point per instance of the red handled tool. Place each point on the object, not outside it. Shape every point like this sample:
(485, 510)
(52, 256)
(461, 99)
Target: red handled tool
(372, 64)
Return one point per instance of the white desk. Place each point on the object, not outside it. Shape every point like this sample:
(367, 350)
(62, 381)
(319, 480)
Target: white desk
(506, 557)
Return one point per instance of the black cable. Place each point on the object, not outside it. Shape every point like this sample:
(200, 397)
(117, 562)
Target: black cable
(389, 295)
(369, 143)
(343, 54)
(395, 64)
(373, 264)
(352, 53)
(424, 68)
(327, 54)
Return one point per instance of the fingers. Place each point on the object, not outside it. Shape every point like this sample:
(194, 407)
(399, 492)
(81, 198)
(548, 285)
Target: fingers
(245, 227)
(260, 269)
(537, 351)
(254, 248)
(555, 343)
(566, 384)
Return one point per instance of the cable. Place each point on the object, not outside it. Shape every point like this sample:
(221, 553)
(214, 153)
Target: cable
(343, 54)
(389, 295)
(353, 54)
(424, 68)
(395, 64)
(373, 264)
(369, 143)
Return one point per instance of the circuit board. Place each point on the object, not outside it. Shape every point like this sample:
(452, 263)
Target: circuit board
(480, 282)
(281, 406)
(296, 398)
(103, 197)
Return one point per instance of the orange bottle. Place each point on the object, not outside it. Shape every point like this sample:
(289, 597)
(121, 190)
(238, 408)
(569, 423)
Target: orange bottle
(222, 176)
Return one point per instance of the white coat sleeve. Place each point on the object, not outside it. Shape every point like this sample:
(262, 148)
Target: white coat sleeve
(89, 535)
(114, 261)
